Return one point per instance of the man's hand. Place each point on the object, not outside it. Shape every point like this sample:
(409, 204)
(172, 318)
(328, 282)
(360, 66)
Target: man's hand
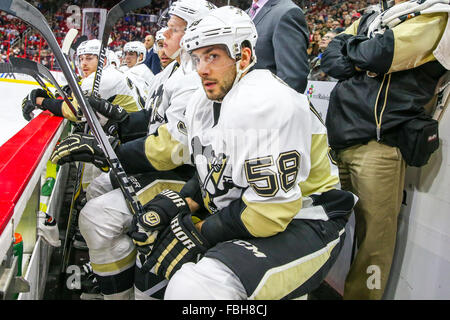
(114, 114)
(81, 147)
(179, 243)
(29, 103)
(158, 213)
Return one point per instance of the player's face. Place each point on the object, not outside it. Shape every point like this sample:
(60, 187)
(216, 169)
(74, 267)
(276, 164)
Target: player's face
(216, 69)
(88, 64)
(130, 58)
(175, 31)
(163, 58)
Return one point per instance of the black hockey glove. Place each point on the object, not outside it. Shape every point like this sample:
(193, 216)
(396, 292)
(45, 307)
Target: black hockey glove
(158, 213)
(114, 113)
(177, 244)
(29, 102)
(82, 147)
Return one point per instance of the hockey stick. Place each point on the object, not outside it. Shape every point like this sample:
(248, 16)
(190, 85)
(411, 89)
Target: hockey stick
(9, 68)
(117, 12)
(33, 17)
(33, 67)
(68, 40)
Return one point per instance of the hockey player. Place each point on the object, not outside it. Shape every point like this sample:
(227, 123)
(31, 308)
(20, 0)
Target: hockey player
(137, 71)
(276, 217)
(159, 49)
(106, 218)
(114, 87)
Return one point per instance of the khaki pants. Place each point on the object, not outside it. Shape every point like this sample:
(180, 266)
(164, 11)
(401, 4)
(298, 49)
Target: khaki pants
(375, 173)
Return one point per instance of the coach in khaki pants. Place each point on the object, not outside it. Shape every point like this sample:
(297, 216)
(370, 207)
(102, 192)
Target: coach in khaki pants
(386, 77)
(362, 169)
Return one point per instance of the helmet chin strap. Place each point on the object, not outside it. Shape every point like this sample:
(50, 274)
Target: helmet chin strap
(240, 72)
(175, 54)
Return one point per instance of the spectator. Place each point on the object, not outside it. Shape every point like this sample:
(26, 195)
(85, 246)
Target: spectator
(316, 72)
(368, 108)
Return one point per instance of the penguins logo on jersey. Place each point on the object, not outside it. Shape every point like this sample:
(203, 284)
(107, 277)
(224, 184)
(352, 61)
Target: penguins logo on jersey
(156, 99)
(213, 182)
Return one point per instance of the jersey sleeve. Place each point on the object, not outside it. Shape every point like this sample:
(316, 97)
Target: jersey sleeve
(408, 45)
(158, 151)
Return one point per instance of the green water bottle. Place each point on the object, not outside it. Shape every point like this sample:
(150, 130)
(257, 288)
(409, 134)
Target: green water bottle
(46, 192)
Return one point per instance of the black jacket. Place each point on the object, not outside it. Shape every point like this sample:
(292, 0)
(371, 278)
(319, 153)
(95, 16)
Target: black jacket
(398, 79)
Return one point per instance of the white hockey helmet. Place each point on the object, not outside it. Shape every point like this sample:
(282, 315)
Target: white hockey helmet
(112, 58)
(89, 47)
(229, 26)
(159, 36)
(138, 47)
(190, 10)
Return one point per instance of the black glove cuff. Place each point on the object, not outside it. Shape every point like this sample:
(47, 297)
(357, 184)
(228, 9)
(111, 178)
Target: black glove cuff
(52, 105)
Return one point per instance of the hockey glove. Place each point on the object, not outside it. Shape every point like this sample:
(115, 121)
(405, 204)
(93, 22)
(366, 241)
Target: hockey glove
(177, 244)
(81, 147)
(29, 102)
(114, 114)
(158, 213)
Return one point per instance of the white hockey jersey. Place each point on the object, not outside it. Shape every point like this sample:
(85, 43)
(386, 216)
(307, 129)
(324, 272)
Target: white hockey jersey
(142, 77)
(165, 146)
(157, 85)
(171, 98)
(263, 147)
(114, 87)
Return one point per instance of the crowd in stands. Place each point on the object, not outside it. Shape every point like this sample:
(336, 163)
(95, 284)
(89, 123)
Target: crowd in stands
(324, 18)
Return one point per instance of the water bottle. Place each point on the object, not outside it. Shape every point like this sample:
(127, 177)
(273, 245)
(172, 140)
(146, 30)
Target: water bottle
(46, 192)
(18, 252)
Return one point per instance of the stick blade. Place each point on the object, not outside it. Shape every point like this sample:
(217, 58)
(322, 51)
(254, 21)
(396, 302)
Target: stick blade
(68, 40)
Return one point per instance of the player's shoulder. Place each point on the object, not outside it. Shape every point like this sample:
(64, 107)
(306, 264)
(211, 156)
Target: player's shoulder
(182, 79)
(262, 97)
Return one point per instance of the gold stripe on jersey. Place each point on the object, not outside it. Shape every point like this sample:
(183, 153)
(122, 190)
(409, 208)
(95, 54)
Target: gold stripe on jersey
(126, 102)
(115, 267)
(150, 191)
(264, 219)
(321, 178)
(279, 282)
(162, 150)
(416, 39)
